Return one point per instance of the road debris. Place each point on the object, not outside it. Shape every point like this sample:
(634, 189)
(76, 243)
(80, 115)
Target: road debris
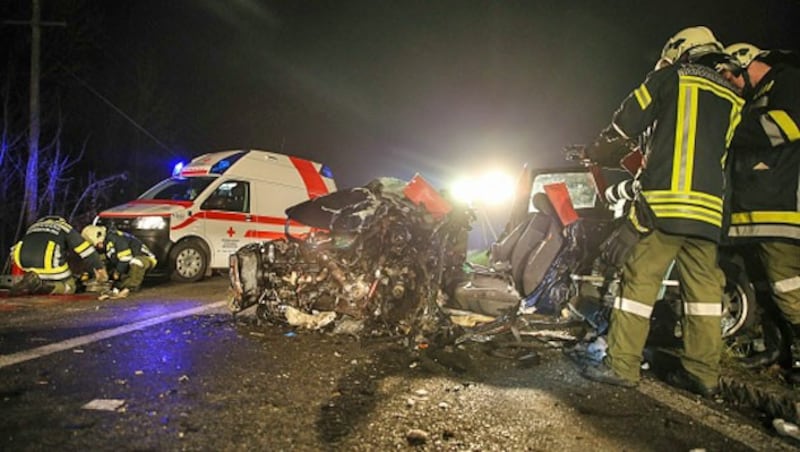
(786, 428)
(313, 321)
(104, 404)
(113, 294)
(417, 437)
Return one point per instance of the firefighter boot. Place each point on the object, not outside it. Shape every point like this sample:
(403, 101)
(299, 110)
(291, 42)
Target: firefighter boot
(28, 285)
(776, 345)
(681, 378)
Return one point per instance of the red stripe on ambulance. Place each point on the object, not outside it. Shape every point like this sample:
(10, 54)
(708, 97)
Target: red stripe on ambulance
(235, 217)
(194, 172)
(168, 202)
(311, 178)
(268, 235)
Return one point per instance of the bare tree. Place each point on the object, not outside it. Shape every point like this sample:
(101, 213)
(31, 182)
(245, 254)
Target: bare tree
(31, 199)
(95, 194)
(11, 166)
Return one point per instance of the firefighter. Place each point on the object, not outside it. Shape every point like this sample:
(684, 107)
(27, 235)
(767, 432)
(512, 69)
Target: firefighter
(129, 258)
(688, 113)
(42, 254)
(765, 201)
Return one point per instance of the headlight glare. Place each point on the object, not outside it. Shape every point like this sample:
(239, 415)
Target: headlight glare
(151, 222)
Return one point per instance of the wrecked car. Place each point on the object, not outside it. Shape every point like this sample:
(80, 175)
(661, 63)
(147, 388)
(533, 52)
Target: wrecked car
(375, 260)
(389, 257)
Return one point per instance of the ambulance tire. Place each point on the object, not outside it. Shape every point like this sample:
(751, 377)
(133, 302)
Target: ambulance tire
(188, 261)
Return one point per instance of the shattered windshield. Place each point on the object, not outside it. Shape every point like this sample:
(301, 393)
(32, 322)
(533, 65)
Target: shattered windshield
(579, 184)
(178, 189)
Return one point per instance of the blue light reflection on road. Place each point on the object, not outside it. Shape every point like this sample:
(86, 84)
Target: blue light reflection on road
(160, 356)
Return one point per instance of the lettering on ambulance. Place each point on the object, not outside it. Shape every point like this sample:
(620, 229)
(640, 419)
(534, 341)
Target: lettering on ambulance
(229, 231)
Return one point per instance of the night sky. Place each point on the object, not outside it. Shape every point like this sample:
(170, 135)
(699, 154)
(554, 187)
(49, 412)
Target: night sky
(389, 88)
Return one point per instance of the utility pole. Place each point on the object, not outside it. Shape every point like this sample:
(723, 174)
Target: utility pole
(31, 197)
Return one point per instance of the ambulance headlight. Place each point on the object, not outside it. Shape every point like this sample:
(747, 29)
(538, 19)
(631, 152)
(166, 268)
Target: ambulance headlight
(150, 223)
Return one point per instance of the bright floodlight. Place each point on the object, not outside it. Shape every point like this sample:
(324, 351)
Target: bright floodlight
(489, 189)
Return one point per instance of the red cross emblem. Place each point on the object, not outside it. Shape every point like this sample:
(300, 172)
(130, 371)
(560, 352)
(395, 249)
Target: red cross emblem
(230, 231)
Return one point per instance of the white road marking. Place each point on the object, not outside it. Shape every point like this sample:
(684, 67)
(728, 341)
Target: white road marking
(27, 355)
(715, 420)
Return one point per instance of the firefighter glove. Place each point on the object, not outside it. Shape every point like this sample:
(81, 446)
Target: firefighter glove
(609, 148)
(100, 275)
(618, 246)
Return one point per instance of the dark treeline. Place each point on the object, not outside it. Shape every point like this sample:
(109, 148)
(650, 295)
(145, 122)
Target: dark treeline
(105, 122)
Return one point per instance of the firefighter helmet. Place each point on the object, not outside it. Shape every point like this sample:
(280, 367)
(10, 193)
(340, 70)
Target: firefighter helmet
(690, 44)
(94, 234)
(743, 53)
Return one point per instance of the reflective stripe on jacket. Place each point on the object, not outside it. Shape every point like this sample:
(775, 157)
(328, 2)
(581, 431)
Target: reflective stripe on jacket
(122, 247)
(766, 160)
(44, 249)
(692, 113)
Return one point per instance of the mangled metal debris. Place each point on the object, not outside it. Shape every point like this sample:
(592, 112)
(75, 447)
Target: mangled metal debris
(377, 260)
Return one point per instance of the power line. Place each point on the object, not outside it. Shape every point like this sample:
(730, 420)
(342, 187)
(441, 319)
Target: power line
(119, 110)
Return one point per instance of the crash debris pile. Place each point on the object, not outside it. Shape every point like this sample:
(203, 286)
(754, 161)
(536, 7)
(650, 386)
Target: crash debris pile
(376, 262)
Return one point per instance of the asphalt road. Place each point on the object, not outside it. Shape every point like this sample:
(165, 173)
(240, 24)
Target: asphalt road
(170, 369)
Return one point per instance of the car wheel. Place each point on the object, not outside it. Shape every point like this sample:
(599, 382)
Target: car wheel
(188, 261)
(738, 302)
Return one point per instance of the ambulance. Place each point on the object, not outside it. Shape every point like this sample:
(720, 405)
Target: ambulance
(217, 203)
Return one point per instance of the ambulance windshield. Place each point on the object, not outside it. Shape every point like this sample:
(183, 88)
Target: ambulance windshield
(178, 189)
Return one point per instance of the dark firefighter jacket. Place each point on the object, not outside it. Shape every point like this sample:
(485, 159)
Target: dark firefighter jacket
(689, 113)
(766, 160)
(121, 248)
(43, 250)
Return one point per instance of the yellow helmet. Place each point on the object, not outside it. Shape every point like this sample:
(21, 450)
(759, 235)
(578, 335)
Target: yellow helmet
(94, 234)
(743, 53)
(690, 43)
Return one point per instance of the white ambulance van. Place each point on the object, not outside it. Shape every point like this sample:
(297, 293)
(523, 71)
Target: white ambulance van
(217, 203)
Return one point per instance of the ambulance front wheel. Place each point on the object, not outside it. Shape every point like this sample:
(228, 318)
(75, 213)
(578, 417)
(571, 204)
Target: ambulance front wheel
(188, 261)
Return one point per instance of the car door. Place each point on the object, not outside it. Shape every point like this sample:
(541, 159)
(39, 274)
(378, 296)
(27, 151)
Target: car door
(227, 214)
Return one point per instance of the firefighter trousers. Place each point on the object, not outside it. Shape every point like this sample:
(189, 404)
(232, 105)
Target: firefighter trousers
(136, 271)
(781, 261)
(701, 288)
(61, 287)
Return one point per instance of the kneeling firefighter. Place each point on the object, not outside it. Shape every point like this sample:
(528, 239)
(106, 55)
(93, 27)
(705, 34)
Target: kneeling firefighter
(42, 254)
(127, 256)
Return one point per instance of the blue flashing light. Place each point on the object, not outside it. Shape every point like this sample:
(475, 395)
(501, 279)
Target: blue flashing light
(220, 166)
(326, 171)
(176, 170)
